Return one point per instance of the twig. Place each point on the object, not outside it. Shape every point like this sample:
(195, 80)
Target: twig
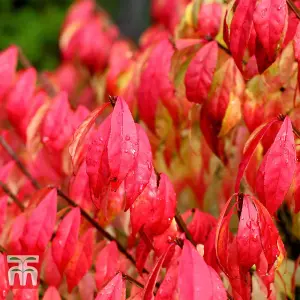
(7, 191)
(181, 224)
(36, 184)
(20, 165)
(132, 280)
(96, 225)
(294, 8)
(229, 296)
(41, 77)
(2, 249)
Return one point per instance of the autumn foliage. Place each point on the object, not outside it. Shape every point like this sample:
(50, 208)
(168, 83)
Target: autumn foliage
(160, 170)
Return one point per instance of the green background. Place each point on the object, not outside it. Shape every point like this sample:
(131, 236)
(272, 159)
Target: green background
(34, 25)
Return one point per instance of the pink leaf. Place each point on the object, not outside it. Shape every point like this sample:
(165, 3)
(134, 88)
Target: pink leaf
(97, 166)
(122, 144)
(23, 294)
(142, 251)
(139, 176)
(8, 64)
(107, 264)
(196, 280)
(155, 73)
(63, 245)
(277, 169)
(200, 72)
(3, 275)
(297, 43)
(15, 235)
(250, 148)
(168, 288)
(81, 260)
(149, 287)
(114, 290)
(51, 273)
(57, 129)
(240, 29)
(51, 294)
(40, 225)
(3, 209)
(18, 100)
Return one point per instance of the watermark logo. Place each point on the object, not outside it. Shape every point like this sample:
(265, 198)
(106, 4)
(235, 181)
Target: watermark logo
(22, 274)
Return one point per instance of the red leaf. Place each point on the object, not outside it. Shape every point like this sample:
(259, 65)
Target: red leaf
(248, 236)
(138, 178)
(52, 275)
(297, 189)
(97, 166)
(76, 146)
(200, 72)
(142, 251)
(200, 226)
(81, 260)
(40, 225)
(277, 169)
(210, 250)
(270, 19)
(224, 237)
(209, 19)
(144, 206)
(240, 29)
(107, 264)
(18, 100)
(23, 294)
(149, 287)
(63, 245)
(8, 64)
(250, 147)
(270, 239)
(122, 144)
(155, 73)
(168, 288)
(155, 207)
(196, 280)
(3, 275)
(57, 127)
(51, 294)
(3, 208)
(114, 290)
(297, 43)
(15, 234)
(79, 189)
(166, 204)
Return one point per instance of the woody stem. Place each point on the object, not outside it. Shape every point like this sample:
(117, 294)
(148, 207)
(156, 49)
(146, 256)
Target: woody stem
(37, 185)
(8, 192)
(181, 224)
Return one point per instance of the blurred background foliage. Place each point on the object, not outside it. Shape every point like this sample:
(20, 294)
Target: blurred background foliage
(34, 25)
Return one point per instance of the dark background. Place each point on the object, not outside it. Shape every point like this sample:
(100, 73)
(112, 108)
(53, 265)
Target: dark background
(34, 25)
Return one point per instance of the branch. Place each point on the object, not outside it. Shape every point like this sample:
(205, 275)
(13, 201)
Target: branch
(36, 184)
(294, 8)
(2, 249)
(181, 224)
(132, 280)
(7, 191)
(20, 165)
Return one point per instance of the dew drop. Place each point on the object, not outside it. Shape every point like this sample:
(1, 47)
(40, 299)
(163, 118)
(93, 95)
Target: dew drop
(127, 138)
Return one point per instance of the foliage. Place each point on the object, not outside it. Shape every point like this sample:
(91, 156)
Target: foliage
(163, 170)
